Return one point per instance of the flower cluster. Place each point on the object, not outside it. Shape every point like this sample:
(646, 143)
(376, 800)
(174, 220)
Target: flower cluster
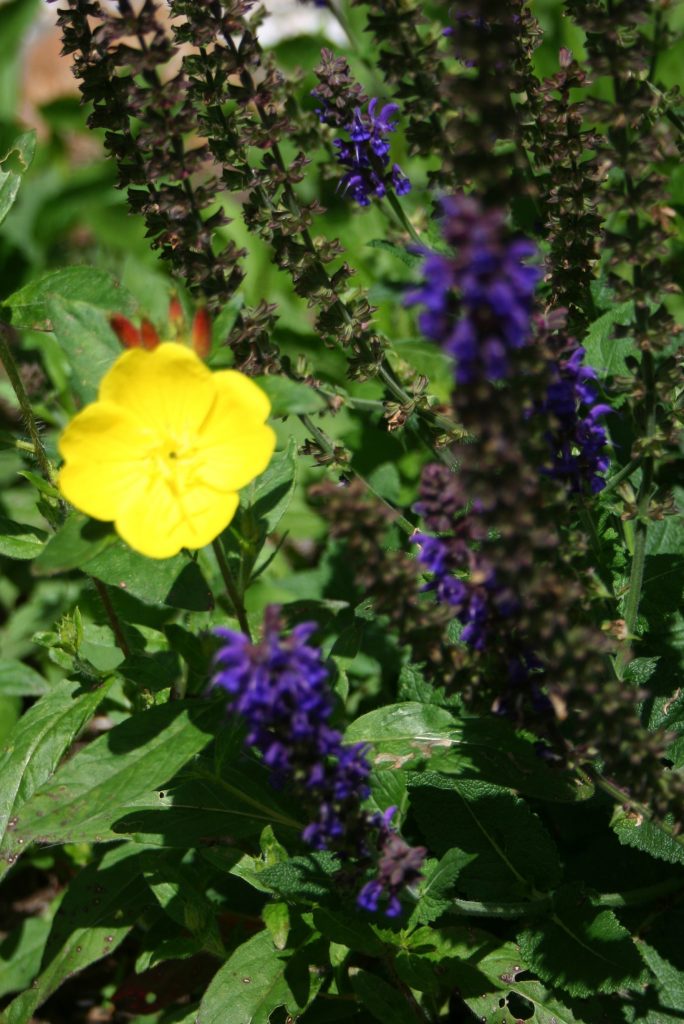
(478, 299)
(280, 688)
(577, 439)
(365, 154)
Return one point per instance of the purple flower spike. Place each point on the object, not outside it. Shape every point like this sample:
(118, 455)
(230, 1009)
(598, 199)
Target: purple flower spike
(576, 437)
(478, 301)
(280, 687)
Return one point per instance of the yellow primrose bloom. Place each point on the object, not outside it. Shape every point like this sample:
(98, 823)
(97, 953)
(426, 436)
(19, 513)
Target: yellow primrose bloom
(165, 448)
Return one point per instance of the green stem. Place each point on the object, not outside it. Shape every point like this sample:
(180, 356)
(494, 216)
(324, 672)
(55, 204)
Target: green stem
(24, 403)
(636, 897)
(623, 474)
(636, 576)
(231, 588)
(114, 622)
(401, 215)
(472, 908)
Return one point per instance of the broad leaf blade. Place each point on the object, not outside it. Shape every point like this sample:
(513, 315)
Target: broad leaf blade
(252, 983)
(91, 790)
(35, 748)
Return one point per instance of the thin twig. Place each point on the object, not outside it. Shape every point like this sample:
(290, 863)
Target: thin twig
(232, 588)
(114, 622)
(24, 402)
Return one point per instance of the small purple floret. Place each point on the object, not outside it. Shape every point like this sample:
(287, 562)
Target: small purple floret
(366, 153)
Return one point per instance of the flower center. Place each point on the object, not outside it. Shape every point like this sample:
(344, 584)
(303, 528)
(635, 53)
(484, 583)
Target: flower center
(171, 458)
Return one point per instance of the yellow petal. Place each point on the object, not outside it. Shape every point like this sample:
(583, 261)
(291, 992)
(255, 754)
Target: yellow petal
(237, 391)
(104, 451)
(169, 389)
(234, 456)
(158, 522)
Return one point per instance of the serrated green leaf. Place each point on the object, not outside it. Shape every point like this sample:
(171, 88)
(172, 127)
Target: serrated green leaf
(307, 879)
(648, 837)
(437, 885)
(99, 909)
(20, 541)
(89, 792)
(581, 950)
(486, 971)
(253, 983)
(87, 340)
(13, 165)
(670, 979)
(407, 731)
(290, 397)
(35, 748)
(512, 851)
(605, 352)
(409, 734)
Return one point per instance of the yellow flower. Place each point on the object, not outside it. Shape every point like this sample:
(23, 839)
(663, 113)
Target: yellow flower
(165, 448)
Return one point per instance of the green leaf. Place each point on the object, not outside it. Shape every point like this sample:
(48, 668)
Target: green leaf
(349, 930)
(605, 352)
(36, 747)
(437, 885)
(101, 905)
(83, 543)
(252, 983)
(512, 850)
(646, 836)
(73, 291)
(276, 917)
(13, 165)
(581, 950)
(19, 680)
(491, 749)
(271, 493)
(290, 397)
(409, 734)
(381, 999)
(103, 779)
(180, 893)
(176, 581)
(670, 978)
(20, 541)
(308, 878)
(486, 971)
(21, 952)
(77, 541)
(409, 730)
(83, 333)
(197, 810)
